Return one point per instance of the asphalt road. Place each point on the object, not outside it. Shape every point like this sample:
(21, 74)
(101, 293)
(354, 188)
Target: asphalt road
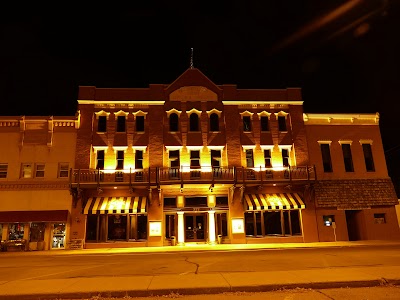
(19, 267)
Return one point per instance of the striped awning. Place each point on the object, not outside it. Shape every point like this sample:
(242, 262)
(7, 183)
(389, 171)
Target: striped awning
(273, 201)
(115, 205)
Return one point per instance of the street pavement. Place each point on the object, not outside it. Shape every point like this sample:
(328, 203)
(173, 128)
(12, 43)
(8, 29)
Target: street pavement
(187, 284)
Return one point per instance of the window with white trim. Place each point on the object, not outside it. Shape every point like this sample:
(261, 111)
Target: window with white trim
(63, 170)
(26, 170)
(249, 158)
(139, 123)
(3, 170)
(173, 122)
(264, 123)
(282, 123)
(100, 159)
(246, 123)
(326, 157)
(267, 158)
(139, 159)
(194, 122)
(120, 160)
(39, 170)
(214, 122)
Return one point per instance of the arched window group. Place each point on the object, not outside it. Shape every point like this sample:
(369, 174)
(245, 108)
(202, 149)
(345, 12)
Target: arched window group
(194, 122)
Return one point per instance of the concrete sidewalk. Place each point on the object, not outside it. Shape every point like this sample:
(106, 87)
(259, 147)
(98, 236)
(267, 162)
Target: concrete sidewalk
(136, 286)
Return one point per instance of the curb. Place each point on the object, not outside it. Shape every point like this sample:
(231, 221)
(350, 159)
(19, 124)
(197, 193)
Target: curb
(211, 290)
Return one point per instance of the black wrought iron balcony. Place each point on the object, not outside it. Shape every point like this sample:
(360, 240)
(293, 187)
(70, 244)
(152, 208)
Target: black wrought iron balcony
(184, 175)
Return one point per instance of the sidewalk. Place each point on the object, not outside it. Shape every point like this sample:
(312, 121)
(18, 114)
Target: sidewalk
(136, 286)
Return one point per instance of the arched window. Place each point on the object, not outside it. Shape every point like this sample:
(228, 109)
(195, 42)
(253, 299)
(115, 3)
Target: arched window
(173, 122)
(194, 122)
(214, 122)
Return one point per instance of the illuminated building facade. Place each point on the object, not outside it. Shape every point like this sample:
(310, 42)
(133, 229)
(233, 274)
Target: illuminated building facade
(196, 162)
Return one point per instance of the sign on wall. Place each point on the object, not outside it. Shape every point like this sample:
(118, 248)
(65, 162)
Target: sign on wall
(238, 225)
(155, 228)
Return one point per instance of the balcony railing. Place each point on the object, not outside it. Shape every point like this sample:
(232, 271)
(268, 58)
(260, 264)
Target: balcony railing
(182, 175)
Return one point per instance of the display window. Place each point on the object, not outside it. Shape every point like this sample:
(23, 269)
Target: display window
(59, 235)
(16, 231)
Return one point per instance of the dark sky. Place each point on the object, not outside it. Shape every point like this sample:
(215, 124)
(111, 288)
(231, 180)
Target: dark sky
(345, 55)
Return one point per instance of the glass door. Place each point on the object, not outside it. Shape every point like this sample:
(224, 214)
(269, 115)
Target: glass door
(194, 228)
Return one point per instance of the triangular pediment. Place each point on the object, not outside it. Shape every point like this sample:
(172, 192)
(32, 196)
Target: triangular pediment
(193, 85)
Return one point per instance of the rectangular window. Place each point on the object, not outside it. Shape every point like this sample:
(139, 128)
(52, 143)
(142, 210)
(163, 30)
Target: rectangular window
(246, 123)
(26, 171)
(326, 157)
(120, 160)
(140, 123)
(139, 159)
(63, 170)
(102, 124)
(328, 220)
(121, 122)
(215, 158)
(282, 123)
(39, 170)
(174, 159)
(100, 160)
(347, 157)
(195, 159)
(3, 170)
(285, 157)
(369, 160)
(264, 123)
(249, 158)
(379, 218)
(267, 158)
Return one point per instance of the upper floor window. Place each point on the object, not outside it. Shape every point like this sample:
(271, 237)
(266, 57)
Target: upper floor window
(139, 123)
(100, 159)
(326, 157)
(267, 158)
(39, 170)
(264, 123)
(194, 122)
(121, 124)
(246, 123)
(347, 158)
(120, 160)
(215, 158)
(194, 159)
(285, 157)
(369, 160)
(282, 123)
(26, 170)
(3, 170)
(102, 124)
(174, 161)
(63, 170)
(139, 159)
(249, 158)
(173, 122)
(214, 122)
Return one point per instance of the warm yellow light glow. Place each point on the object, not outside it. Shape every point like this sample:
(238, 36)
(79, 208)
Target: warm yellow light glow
(211, 226)
(180, 201)
(181, 228)
(155, 228)
(116, 204)
(211, 200)
(238, 225)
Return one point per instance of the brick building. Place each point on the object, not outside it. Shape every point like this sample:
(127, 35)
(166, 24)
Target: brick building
(193, 161)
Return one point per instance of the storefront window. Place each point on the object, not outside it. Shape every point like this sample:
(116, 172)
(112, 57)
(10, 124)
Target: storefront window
(117, 227)
(37, 232)
(142, 227)
(279, 223)
(15, 231)
(58, 235)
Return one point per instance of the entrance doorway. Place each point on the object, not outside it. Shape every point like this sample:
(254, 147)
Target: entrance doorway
(353, 228)
(195, 227)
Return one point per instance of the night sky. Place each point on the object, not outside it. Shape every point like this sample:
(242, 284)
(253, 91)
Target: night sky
(345, 55)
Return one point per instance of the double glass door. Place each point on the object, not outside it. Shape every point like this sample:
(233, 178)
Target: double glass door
(195, 227)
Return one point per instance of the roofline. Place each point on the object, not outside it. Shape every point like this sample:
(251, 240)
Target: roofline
(147, 102)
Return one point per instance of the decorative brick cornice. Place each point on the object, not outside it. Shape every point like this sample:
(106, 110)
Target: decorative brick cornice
(33, 186)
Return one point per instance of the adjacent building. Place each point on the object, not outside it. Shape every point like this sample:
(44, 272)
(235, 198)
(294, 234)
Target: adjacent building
(196, 162)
